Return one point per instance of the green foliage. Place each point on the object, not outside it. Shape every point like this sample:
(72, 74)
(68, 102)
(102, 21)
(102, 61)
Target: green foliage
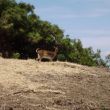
(16, 55)
(74, 52)
(61, 57)
(108, 60)
(22, 31)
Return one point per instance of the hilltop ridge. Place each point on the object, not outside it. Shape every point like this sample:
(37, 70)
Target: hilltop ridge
(32, 85)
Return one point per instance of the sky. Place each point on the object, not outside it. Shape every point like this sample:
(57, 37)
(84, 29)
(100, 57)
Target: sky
(87, 20)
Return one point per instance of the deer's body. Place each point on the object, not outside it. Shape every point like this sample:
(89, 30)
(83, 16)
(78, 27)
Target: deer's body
(50, 55)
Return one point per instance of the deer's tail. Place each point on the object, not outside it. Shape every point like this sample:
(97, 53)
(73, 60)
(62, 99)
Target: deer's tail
(37, 49)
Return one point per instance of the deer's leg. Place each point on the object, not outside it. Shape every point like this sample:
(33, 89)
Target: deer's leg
(51, 60)
(38, 58)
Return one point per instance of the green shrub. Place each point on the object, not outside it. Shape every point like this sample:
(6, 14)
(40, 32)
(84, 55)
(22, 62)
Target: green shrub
(16, 55)
(61, 57)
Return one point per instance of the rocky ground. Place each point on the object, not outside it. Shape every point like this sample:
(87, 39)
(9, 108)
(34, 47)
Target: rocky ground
(32, 85)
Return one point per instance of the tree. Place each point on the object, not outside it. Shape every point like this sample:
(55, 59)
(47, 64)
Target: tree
(108, 60)
(22, 31)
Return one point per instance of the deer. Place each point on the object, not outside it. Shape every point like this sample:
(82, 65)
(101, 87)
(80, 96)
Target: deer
(50, 55)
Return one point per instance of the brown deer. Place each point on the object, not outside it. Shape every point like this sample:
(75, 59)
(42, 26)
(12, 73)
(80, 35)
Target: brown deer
(46, 54)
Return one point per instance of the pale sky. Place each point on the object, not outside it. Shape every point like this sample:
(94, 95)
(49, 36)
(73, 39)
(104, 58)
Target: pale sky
(88, 20)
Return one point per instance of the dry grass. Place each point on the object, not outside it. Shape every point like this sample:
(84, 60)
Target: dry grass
(30, 85)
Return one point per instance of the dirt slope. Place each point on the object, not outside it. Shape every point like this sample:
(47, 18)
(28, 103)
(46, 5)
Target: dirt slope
(30, 85)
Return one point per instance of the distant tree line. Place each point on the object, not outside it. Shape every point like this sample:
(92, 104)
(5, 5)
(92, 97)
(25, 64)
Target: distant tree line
(22, 31)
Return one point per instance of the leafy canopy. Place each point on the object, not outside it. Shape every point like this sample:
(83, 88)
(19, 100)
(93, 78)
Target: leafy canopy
(22, 31)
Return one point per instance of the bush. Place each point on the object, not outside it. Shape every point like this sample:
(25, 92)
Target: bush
(61, 57)
(16, 55)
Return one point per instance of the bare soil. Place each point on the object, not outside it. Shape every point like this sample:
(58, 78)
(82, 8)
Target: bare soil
(32, 85)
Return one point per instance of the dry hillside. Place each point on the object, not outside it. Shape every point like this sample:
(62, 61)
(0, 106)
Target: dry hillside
(30, 85)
